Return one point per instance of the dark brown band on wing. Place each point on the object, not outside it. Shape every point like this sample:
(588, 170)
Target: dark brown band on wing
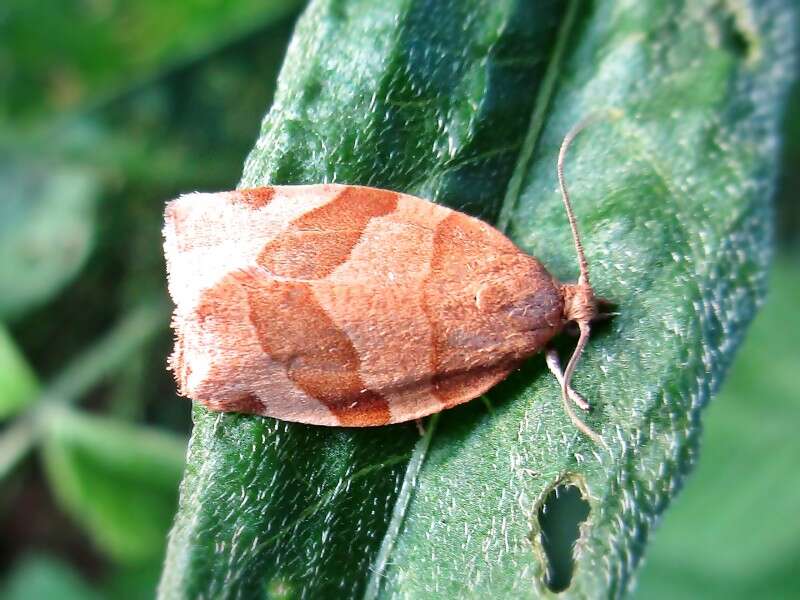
(246, 403)
(450, 264)
(429, 308)
(255, 197)
(294, 330)
(317, 242)
(452, 389)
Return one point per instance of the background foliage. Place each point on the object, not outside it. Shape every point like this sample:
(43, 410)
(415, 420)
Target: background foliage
(122, 105)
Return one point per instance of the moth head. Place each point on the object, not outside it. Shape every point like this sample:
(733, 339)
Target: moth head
(580, 303)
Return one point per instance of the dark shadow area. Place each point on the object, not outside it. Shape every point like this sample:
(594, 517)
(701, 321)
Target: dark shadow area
(560, 518)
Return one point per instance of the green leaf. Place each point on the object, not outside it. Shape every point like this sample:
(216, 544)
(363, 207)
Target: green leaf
(18, 383)
(115, 479)
(467, 106)
(47, 218)
(107, 355)
(39, 576)
(106, 46)
(723, 539)
(132, 582)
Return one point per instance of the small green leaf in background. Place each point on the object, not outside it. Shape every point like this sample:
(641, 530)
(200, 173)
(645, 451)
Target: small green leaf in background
(41, 577)
(104, 46)
(47, 220)
(125, 103)
(131, 581)
(116, 479)
(466, 103)
(18, 384)
(734, 532)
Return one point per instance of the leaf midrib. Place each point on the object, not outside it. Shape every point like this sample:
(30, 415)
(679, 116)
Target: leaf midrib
(536, 124)
(510, 199)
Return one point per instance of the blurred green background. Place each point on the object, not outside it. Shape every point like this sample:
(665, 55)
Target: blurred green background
(107, 109)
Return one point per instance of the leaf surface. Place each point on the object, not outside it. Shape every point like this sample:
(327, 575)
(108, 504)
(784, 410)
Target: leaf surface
(108, 47)
(42, 576)
(749, 435)
(116, 479)
(18, 383)
(467, 106)
(47, 222)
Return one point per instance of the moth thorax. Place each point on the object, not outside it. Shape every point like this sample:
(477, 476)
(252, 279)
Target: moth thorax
(580, 304)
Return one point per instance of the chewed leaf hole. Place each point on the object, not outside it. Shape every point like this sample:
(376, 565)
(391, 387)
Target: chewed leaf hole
(560, 517)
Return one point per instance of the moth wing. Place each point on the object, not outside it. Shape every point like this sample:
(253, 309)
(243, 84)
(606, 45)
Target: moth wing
(250, 333)
(330, 304)
(209, 236)
(406, 299)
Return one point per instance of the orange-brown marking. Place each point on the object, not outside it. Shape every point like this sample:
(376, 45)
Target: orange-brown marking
(452, 254)
(246, 403)
(212, 302)
(294, 330)
(255, 197)
(451, 389)
(322, 239)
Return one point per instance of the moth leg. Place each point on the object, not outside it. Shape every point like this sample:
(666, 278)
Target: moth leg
(554, 364)
(606, 310)
(420, 427)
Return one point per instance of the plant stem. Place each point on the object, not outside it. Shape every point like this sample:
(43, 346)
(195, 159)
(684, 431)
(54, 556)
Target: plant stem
(132, 332)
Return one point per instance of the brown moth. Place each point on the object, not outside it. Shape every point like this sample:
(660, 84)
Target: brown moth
(355, 306)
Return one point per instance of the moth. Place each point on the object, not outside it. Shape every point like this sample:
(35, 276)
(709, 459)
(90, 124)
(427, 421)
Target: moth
(354, 306)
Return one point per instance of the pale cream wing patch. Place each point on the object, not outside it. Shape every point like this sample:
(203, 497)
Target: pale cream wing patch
(208, 236)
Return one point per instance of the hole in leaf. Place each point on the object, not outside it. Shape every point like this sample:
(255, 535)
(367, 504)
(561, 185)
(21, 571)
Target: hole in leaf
(733, 34)
(560, 517)
(736, 39)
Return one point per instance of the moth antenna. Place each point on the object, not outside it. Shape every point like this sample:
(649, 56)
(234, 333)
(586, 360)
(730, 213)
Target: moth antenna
(583, 278)
(573, 224)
